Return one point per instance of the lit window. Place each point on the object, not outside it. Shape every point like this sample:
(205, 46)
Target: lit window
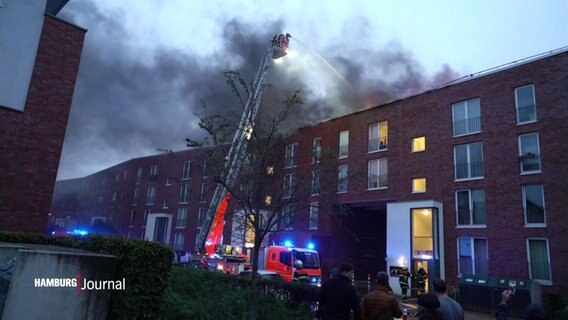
(268, 200)
(378, 133)
(270, 170)
(525, 104)
(418, 185)
(418, 144)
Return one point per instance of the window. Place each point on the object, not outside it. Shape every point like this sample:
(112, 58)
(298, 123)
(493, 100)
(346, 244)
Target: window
(533, 205)
(470, 207)
(472, 256)
(146, 213)
(314, 215)
(168, 181)
(139, 175)
(151, 195)
(154, 170)
(315, 181)
(117, 177)
(418, 185)
(525, 104)
(378, 136)
(132, 217)
(178, 241)
(205, 169)
(418, 144)
(114, 195)
(378, 174)
(289, 185)
(466, 117)
(181, 218)
(186, 170)
(468, 159)
(184, 193)
(136, 196)
(342, 172)
(343, 144)
(539, 260)
(203, 193)
(316, 150)
(201, 217)
(165, 204)
(529, 153)
(291, 155)
(286, 222)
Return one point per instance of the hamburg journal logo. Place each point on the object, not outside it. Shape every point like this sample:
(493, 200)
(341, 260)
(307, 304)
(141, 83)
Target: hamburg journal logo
(80, 284)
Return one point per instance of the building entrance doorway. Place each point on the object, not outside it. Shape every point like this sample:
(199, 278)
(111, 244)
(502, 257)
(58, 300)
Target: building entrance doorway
(425, 242)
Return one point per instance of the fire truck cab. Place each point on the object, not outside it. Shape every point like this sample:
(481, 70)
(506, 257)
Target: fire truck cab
(282, 259)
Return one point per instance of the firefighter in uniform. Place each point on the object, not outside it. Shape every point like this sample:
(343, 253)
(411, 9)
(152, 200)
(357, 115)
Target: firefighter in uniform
(403, 276)
(420, 278)
(300, 275)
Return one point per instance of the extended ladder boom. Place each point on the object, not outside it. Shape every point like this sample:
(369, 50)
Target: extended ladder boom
(210, 236)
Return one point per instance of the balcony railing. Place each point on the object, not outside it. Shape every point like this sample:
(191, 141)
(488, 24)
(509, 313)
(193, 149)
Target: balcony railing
(530, 162)
(376, 144)
(526, 113)
(534, 214)
(469, 170)
(465, 126)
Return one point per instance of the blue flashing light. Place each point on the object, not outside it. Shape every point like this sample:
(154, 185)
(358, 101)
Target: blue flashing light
(80, 232)
(288, 244)
(311, 246)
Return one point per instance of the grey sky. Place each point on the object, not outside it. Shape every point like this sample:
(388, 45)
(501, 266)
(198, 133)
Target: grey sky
(147, 64)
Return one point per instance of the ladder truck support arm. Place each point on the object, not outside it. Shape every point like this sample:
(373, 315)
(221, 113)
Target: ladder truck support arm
(210, 237)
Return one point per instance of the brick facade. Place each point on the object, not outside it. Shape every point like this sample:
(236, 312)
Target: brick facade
(361, 235)
(32, 139)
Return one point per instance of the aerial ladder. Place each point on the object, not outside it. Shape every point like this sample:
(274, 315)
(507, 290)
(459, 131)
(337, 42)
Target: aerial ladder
(210, 237)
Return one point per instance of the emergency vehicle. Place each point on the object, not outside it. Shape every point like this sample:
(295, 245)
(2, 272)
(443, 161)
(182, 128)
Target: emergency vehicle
(282, 259)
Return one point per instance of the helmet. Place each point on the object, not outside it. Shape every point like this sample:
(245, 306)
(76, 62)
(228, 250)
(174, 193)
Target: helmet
(299, 264)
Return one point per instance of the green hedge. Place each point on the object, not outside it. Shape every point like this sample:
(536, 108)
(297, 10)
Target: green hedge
(146, 266)
(199, 294)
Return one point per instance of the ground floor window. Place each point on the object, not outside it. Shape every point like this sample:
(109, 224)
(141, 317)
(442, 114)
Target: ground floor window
(539, 260)
(472, 256)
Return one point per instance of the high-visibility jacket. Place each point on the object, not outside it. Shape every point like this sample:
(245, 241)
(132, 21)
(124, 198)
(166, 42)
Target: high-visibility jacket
(301, 275)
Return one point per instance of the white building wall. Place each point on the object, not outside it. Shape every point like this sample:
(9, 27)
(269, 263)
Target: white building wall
(21, 23)
(399, 244)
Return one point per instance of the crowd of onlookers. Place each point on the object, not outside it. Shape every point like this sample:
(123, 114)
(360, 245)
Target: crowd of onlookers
(339, 301)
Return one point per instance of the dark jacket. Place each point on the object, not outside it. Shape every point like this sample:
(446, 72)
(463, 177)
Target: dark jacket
(501, 311)
(337, 299)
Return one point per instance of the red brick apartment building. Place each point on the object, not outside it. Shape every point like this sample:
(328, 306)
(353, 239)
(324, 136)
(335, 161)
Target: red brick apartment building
(469, 178)
(39, 62)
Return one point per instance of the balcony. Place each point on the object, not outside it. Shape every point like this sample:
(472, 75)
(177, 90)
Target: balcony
(530, 162)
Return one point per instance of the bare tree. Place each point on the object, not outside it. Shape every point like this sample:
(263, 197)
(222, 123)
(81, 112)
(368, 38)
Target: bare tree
(267, 192)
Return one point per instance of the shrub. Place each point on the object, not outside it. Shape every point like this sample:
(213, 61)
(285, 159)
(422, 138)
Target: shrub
(198, 294)
(146, 266)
